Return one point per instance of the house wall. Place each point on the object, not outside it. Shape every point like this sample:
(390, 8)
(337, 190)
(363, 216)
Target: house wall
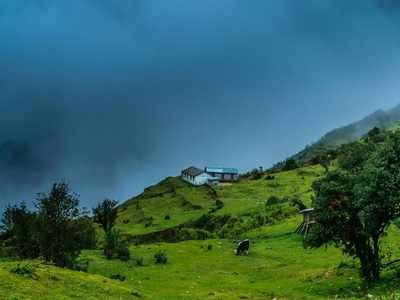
(225, 176)
(197, 180)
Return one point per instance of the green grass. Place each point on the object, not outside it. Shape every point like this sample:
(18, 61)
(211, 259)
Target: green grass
(166, 198)
(278, 266)
(49, 282)
(245, 198)
(249, 196)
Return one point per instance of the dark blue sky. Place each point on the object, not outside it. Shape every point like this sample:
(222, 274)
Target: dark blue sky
(115, 95)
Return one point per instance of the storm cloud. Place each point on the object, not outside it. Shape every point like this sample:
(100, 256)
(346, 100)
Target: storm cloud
(115, 95)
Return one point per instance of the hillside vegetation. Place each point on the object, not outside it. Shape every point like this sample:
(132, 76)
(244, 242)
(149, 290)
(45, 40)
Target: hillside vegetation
(182, 211)
(35, 280)
(179, 242)
(197, 268)
(350, 133)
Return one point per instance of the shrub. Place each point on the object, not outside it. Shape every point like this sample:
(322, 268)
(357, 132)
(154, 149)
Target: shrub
(167, 217)
(269, 177)
(161, 257)
(255, 174)
(123, 253)
(81, 265)
(272, 200)
(219, 204)
(290, 164)
(139, 261)
(25, 270)
(149, 222)
(112, 242)
(209, 247)
(118, 277)
(296, 202)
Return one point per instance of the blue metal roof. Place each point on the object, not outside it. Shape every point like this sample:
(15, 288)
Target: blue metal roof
(222, 170)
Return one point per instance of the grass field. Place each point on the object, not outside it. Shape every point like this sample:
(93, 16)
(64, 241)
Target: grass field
(278, 266)
(49, 282)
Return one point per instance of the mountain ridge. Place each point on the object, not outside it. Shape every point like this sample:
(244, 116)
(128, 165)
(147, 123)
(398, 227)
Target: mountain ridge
(350, 133)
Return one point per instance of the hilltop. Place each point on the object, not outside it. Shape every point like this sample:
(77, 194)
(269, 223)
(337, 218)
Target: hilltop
(167, 210)
(352, 132)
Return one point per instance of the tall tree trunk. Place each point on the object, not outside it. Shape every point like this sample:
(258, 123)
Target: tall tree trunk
(370, 265)
(377, 260)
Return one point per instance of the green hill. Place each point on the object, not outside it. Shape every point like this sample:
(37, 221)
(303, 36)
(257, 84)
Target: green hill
(198, 228)
(201, 261)
(173, 208)
(35, 280)
(352, 132)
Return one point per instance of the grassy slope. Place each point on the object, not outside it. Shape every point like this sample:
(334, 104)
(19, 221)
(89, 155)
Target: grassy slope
(249, 196)
(278, 265)
(243, 198)
(55, 283)
(166, 198)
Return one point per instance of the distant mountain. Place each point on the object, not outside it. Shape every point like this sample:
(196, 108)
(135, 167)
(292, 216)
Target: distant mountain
(352, 132)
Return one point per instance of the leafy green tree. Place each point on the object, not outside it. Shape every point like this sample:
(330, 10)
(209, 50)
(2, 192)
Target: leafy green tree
(20, 227)
(354, 209)
(86, 233)
(290, 164)
(353, 156)
(375, 135)
(58, 230)
(322, 158)
(106, 214)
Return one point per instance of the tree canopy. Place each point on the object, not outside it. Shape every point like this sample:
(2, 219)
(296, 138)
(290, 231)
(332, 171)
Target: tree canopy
(355, 204)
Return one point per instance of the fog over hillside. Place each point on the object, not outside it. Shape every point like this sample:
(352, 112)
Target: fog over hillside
(115, 95)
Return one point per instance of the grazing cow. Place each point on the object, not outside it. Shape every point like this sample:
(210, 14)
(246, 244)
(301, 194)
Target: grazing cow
(243, 247)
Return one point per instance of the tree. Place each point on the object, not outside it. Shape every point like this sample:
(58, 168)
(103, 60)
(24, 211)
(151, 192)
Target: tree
(354, 209)
(86, 233)
(353, 156)
(375, 135)
(20, 227)
(290, 164)
(322, 158)
(58, 213)
(106, 214)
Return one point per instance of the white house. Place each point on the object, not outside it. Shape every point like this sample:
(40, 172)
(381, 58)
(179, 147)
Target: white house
(197, 176)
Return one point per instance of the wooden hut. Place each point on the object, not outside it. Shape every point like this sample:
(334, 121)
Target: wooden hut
(308, 221)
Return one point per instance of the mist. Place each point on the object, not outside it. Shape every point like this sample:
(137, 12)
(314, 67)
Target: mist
(113, 96)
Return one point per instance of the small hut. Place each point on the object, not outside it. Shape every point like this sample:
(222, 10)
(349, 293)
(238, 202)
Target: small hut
(308, 221)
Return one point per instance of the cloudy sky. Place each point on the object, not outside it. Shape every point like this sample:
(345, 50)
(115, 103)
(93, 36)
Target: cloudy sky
(114, 95)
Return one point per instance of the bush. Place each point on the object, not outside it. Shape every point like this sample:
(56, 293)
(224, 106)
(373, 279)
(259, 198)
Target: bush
(123, 253)
(269, 177)
(139, 261)
(255, 175)
(118, 277)
(112, 242)
(25, 270)
(161, 257)
(81, 265)
(219, 204)
(272, 200)
(296, 202)
(209, 247)
(290, 164)
(149, 222)
(167, 217)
